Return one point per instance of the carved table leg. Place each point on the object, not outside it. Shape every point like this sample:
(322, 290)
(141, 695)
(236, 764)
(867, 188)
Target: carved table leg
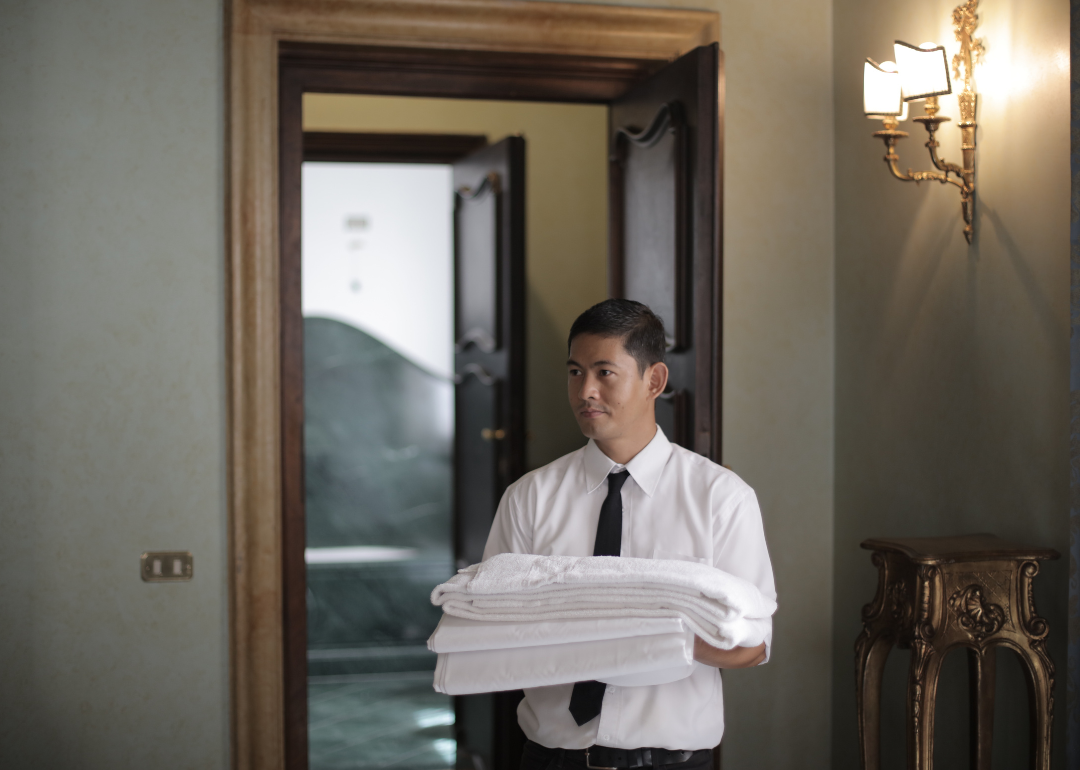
(1040, 681)
(982, 673)
(871, 652)
(1039, 668)
(922, 692)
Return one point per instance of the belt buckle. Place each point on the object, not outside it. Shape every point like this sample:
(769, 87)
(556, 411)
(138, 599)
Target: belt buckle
(591, 766)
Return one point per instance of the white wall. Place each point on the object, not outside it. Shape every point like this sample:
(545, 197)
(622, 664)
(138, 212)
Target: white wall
(112, 384)
(377, 254)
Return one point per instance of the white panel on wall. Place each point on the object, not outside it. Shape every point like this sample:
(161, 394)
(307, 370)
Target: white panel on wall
(377, 254)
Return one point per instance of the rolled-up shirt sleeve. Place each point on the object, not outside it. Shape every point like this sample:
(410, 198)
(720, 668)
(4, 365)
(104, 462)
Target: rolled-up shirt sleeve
(739, 547)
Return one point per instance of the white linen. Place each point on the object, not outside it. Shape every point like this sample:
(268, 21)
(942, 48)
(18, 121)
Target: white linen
(515, 573)
(676, 505)
(722, 609)
(455, 634)
(655, 657)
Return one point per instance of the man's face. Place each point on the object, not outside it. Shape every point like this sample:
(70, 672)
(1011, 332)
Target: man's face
(608, 393)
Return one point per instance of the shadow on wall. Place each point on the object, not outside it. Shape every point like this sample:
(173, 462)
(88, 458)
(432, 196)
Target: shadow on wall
(1038, 302)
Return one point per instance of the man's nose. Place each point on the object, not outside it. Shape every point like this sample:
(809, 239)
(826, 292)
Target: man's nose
(589, 388)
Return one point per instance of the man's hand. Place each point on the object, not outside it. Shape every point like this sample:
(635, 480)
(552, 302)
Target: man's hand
(737, 657)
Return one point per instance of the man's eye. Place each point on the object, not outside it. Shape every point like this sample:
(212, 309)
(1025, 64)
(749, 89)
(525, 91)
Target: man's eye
(605, 372)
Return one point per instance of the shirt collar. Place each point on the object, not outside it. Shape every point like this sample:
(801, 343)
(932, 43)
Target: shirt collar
(645, 467)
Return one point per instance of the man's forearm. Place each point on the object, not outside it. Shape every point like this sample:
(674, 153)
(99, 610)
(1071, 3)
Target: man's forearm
(738, 657)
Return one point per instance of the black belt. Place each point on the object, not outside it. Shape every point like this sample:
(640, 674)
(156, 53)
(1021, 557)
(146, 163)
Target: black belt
(606, 758)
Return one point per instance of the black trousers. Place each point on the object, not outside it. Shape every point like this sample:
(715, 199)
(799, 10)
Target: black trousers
(537, 757)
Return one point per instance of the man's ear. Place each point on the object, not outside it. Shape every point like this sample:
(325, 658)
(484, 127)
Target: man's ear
(657, 375)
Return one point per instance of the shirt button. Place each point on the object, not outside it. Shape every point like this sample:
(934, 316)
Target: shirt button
(611, 688)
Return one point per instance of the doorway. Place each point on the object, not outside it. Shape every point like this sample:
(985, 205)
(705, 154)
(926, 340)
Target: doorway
(377, 286)
(356, 706)
(412, 300)
(663, 173)
(530, 51)
(662, 153)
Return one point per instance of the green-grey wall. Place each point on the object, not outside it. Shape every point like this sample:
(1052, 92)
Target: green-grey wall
(952, 361)
(778, 359)
(112, 384)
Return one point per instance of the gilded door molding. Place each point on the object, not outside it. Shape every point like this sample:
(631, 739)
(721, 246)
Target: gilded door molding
(256, 28)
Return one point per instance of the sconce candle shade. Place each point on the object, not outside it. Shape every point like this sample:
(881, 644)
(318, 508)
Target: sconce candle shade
(923, 73)
(924, 70)
(881, 90)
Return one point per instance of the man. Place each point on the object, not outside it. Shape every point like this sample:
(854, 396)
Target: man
(630, 492)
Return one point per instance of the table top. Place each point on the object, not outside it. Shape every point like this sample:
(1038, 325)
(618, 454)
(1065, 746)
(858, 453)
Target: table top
(978, 547)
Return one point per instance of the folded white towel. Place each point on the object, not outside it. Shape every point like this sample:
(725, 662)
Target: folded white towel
(630, 661)
(455, 634)
(514, 573)
(724, 610)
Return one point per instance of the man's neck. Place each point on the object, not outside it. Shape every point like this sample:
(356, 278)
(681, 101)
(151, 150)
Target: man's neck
(625, 448)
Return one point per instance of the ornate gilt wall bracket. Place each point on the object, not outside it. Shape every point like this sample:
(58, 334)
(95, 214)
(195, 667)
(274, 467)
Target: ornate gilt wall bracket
(965, 20)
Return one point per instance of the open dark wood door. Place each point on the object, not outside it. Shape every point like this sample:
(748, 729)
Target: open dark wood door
(665, 237)
(489, 280)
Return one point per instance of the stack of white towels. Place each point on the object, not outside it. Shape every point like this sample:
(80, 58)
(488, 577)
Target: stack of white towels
(519, 620)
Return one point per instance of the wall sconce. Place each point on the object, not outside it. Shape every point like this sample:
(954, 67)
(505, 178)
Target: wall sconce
(922, 74)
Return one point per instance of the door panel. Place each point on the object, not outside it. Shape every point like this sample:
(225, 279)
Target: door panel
(653, 216)
(477, 229)
(476, 463)
(665, 235)
(489, 353)
(489, 280)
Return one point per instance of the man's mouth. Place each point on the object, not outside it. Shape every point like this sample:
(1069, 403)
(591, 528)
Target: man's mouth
(590, 413)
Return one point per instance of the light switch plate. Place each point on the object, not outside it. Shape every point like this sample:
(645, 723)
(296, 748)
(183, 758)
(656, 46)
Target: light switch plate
(166, 566)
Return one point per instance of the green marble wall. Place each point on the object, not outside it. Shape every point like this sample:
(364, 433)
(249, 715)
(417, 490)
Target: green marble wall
(378, 472)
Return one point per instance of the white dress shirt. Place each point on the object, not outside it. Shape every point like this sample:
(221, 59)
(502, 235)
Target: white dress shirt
(676, 505)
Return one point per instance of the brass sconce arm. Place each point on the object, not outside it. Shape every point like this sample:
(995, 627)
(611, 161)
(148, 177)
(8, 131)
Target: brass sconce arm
(931, 122)
(961, 176)
(891, 136)
(965, 20)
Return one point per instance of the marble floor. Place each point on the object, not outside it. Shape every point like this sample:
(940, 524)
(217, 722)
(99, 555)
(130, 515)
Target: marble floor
(379, 721)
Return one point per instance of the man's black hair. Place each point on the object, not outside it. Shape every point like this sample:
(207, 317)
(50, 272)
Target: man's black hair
(641, 330)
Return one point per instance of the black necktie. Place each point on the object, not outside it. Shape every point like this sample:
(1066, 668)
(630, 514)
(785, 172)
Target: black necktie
(588, 697)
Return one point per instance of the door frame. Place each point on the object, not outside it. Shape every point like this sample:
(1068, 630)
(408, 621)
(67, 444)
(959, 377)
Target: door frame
(461, 48)
(349, 147)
